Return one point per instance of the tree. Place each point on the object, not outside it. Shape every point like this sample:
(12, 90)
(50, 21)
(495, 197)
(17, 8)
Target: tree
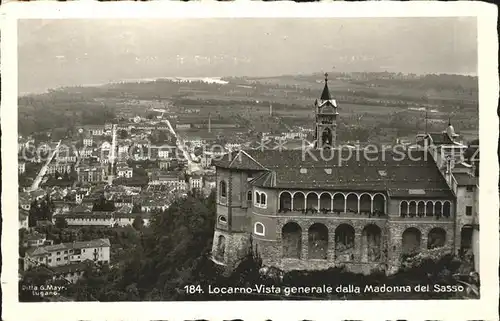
(61, 222)
(137, 208)
(138, 223)
(123, 133)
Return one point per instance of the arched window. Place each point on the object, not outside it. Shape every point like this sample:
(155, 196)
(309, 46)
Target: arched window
(259, 229)
(222, 189)
(260, 199)
(249, 196)
(403, 208)
(222, 220)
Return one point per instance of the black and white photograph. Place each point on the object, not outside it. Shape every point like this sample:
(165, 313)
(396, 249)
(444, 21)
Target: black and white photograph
(249, 159)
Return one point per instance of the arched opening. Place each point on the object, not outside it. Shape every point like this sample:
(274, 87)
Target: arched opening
(371, 243)
(411, 241)
(325, 203)
(352, 203)
(299, 201)
(421, 208)
(318, 241)
(403, 208)
(379, 204)
(221, 248)
(249, 196)
(259, 229)
(338, 203)
(412, 208)
(429, 209)
(263, 199)
(257, 198)
(222, 189)
(344, 242)
(365, 204)
(285, 202)
(291, 236)
(447, 209)
(436, 238)
(438, 208)
(312, 201)
(327, 137)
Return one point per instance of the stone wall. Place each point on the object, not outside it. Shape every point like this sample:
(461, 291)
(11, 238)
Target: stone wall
(236, 247)
(395, 233)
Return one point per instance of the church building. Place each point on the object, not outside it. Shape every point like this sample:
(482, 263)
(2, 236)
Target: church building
(326, 206)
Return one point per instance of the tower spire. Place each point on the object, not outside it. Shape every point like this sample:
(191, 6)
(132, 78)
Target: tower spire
(325, 95)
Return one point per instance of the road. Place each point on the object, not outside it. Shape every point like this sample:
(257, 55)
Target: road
(43, 170)
(192, 166)
(112, 156)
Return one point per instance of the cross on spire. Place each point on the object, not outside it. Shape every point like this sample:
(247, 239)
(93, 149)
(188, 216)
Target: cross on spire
(325, 95)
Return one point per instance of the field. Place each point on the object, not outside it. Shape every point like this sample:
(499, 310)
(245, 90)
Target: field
(382, 104)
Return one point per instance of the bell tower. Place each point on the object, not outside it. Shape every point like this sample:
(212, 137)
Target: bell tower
(326, 119)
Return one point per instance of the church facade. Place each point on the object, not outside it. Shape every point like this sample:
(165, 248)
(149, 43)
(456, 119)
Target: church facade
(325, 206)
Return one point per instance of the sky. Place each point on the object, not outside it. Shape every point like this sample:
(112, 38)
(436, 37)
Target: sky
(55, 53)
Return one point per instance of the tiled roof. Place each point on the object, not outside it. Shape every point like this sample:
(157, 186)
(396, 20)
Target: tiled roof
(390, 172)
(42, 250)
(441, 139)
(240, 160)
(97, 215)
(465, 179)
(70, 268)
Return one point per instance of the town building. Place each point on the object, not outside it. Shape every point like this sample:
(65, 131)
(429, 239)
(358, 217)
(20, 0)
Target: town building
(35, 239)
(195, 182)
(326, 206)
(71, 272)
(124, 171)
(67, 253)
(25, 201)
(88, 218)
(95, 130)
(59, 167)
(127, 219)
(151, 205)
(21, 167)
(175, 180)
(91, 173)
(88, 141)
(23, 218)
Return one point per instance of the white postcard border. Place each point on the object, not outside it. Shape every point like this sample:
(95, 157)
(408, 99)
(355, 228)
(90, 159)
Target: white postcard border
(485, 308)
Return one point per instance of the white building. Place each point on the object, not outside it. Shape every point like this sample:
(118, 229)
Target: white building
(21, 167)
(35, 239)
(89, 219)
(88, 141)
(23, 218)
(66, 253)
(175, 180)
(124, 171)
(195, 182)
(125, 219)
(97, 130)
(105, 146)
(59, 167)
